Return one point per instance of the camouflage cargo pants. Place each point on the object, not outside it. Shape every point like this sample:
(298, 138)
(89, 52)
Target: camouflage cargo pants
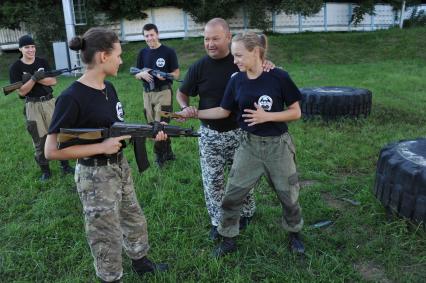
(38, 116)
(273, 157)
(216, 155)
(113, 217)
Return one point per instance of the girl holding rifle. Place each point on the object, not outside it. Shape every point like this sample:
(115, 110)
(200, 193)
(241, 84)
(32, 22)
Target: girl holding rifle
(113, 217)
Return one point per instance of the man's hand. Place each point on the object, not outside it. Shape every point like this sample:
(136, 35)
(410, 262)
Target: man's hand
(268, 65)
(38, 75)
(188, 112)
(254, 117)
(26, 77)
(144, 75)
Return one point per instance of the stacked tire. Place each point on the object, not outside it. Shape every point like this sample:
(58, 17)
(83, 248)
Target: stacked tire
(401, 179)
(333, 102)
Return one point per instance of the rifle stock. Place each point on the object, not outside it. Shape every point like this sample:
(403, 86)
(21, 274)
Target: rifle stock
(138, 132)
(12, 87)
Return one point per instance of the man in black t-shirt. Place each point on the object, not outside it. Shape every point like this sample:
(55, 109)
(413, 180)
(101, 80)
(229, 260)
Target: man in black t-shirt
(159, 97)
(219, 139)
(39, 101)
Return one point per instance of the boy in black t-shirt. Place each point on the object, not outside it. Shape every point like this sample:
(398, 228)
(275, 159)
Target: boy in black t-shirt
(39, 101)
(157, 56)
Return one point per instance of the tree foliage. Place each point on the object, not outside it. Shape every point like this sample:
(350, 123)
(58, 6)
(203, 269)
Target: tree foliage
(42, 18)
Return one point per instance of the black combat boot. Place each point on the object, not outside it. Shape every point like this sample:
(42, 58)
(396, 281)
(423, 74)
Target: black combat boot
(45, 173)
(66, 168)
(244, 222)
(160, 151)
(226, 246)
(214, 234)
(295, 243)
(144, 265)
(168, 154)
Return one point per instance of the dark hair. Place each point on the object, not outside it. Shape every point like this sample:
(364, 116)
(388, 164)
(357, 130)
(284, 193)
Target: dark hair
(252, 40)
(148, 27)
(94, 40)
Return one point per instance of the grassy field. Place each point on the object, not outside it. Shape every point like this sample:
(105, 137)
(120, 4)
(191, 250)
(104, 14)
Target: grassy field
(41, 224)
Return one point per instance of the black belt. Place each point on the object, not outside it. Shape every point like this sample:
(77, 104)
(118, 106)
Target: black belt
(39, 98)
(160, 88)
(101, 161)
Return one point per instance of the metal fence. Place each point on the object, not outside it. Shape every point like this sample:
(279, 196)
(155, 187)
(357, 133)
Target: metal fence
(175, 23)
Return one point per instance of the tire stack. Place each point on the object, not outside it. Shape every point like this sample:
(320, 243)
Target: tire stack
(335, 102)
(401, 179)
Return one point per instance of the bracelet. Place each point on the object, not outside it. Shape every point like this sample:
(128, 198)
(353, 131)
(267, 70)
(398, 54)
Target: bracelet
(183, 107)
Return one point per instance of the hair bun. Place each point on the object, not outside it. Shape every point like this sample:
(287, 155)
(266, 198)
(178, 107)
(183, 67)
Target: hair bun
(76, 43)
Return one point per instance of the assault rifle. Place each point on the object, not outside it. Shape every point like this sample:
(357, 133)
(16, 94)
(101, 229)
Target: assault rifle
(12, 87)
(138, 132)
(134, 71)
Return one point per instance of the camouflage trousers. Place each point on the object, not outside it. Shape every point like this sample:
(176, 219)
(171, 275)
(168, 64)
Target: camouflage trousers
(38, 116)
(113, 218)
(273, 157)
(216, 155)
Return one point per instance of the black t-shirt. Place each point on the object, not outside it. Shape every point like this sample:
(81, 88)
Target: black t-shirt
(208, 78)
(271, 90)
(80, 106)
(18, 69)
(162, 58)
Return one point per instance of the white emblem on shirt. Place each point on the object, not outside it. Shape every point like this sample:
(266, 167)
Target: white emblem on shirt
(233, 74)
(160, 62)
(120, 112)
(265, 102)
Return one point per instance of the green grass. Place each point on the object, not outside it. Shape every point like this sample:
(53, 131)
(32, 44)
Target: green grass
(41, 224)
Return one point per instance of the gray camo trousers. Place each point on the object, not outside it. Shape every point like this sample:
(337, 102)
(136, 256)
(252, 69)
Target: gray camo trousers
(216, 155)
(113, 218)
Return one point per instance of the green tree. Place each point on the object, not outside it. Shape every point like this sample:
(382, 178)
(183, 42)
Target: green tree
(42, 18)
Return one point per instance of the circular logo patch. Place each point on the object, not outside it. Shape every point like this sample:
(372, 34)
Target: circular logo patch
(160, 62)
(120, 111)
(265, 102)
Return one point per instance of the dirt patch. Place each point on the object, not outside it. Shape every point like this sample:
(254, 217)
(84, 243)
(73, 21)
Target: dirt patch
(331, 201)
(372, 272)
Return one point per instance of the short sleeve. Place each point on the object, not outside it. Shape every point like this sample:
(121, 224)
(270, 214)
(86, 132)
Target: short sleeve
(291, 91)
(15, 74)
(173, 60)
(189, 85)
(65, 114)
(228, 100)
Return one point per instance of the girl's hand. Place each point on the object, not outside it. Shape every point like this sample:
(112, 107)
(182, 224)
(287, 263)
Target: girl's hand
(113, 145)
(161, 136)
(254, 117)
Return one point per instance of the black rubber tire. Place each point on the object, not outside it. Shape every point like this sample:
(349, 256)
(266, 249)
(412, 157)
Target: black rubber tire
(333, 102)
(401, 179)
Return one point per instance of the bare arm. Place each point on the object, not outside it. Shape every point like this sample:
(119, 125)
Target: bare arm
(259, 116)
(182, 99)
(28, 86)
(213, 113)
(49, 81)
(108, 146)
(176, 73)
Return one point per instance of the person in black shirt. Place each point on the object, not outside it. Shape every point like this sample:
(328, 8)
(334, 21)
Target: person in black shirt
(39, 101)
(160, 57)
(258, 98)
(113, 217)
